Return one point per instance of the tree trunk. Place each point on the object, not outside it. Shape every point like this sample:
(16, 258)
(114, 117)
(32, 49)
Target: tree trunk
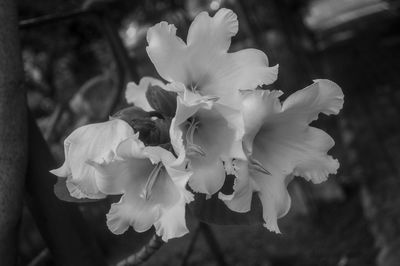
(13, 132)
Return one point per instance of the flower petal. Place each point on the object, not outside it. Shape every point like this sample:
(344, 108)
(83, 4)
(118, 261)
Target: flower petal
(208, 174)
(286, 142)
(274, 197)
(280, 139)
(323, 96)
(213, 33)
(214, 136)
(133, 209)
(204, 64)
(224, 76)
(271, 190)
(172, 223)
(136, 93)
(243, 187)
(257, 106)
(292, 149)
(167, 52)
(90, 143)
(113, 177)
(128, 172)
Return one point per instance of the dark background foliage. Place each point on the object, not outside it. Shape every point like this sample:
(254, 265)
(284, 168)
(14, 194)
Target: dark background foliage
(76, 70)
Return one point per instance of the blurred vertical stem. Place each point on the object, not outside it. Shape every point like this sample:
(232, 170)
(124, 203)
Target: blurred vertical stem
(13, 133)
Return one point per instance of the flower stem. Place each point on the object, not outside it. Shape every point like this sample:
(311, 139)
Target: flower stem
(144, 253)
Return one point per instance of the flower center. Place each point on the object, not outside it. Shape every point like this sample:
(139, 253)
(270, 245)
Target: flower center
(194, 87)
(191, 148)
(155, 173)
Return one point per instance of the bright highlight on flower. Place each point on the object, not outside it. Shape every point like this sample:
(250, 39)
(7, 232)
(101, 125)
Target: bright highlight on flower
(278, 137)
(203, 63)
(149, 179)
(212, 119)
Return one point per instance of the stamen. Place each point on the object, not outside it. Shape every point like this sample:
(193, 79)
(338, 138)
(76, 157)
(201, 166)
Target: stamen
(258, 166)
(194, 86)
(191, 148)
(146, 194)
(211, 98)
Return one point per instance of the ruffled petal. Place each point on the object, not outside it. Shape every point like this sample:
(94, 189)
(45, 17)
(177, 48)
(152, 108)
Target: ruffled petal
(213, 135)
(286, 142)
(208, 174)
(114, 177)
(167, 52)
(213, 33)
(204, 65)
(90, 143)
(133, 211)
(137, 211)
(226, 75)
(280, 139)
(172, 223)
(257, 106)
(128, 173)
(323, 96)
(136, 93)
(274, 197)
(294, 149)
(243, 187)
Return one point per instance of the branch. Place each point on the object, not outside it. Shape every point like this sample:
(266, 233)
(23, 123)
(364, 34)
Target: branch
(13, 133)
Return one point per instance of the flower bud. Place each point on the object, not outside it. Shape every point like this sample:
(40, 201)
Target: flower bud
(161, 100)
(152, 129)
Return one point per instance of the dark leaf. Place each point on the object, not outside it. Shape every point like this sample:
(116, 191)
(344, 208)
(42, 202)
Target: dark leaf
(131, 113)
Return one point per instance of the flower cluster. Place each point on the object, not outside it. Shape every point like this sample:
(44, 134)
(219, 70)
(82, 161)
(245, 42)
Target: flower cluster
(213, 119)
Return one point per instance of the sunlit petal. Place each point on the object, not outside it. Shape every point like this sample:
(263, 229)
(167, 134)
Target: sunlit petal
(90, 143)
(323, 96)
(274, 197)
(243, 187)
(172, 223)
(229, 73)
(214, 137)
(167, 52)
(257, 106)
(134, 209)
(278, 138)
(150, 197)
(286, 142)
(203, 65)
(213, 33)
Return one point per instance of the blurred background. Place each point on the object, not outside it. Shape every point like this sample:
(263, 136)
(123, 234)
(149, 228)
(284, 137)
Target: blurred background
(79, 55)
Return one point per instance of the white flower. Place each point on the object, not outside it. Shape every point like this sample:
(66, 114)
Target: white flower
(152, 182)
(203, 64)
(280, 144)
(200, 134)
(91, 142)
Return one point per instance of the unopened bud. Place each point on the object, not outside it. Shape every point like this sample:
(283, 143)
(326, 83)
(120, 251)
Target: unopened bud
(161, 100)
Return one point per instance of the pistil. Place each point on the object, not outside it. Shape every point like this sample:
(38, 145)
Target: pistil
(155, 173)
(191, 148)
